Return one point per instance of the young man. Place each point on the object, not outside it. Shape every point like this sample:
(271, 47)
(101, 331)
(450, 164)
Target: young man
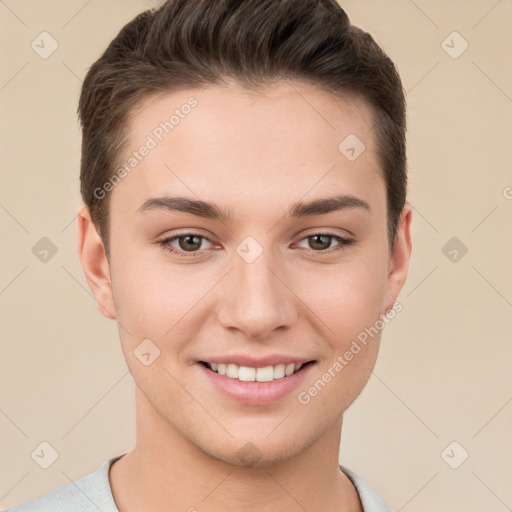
(245, 222)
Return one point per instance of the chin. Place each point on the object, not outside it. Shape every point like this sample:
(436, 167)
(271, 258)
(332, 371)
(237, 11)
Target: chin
(252, 456)
(255, 451)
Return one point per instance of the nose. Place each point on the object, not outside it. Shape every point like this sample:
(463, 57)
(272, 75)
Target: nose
(256, 299)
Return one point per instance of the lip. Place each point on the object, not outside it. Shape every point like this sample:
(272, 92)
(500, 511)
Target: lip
(255, 393)
(256, 362)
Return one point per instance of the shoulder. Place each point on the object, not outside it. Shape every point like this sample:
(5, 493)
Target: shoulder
(89, 493)
(370, 500)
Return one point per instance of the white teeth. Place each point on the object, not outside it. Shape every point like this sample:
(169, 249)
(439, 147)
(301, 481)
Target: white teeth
(248, 374)
(232, 371)
(289, 369)
(265, 374)
(279, 371)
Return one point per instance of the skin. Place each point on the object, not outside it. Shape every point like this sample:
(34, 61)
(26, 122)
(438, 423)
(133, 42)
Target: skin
(256, 154)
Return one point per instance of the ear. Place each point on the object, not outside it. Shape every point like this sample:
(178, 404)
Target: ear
(400, 256)
(91, 252)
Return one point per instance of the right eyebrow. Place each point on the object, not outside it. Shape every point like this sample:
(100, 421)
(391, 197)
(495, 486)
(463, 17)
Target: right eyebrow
(212, 211)
(186, 205)
(328, 205)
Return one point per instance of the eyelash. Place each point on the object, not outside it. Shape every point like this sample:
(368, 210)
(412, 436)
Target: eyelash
(166, 244)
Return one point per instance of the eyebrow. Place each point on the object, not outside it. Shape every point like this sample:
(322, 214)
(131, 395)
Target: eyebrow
(212, 211)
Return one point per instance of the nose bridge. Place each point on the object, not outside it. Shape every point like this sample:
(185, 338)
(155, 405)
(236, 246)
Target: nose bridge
(258, 301)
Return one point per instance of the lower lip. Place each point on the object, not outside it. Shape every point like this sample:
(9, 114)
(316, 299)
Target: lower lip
(256, 393)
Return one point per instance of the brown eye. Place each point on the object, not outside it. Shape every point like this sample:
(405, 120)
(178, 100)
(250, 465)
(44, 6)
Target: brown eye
(189, 242)
(320, 242)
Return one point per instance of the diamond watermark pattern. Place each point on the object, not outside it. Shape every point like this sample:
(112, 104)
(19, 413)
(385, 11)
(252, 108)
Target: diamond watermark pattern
(454, 455)
(249, 249)
(249, 454)
(454, 249)
(44, 250)
(352, 147)
(44, 45)
(454, 45)
(146, 352)
(44, 455)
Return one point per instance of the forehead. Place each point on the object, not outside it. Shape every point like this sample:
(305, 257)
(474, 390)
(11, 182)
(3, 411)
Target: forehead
(269, 146)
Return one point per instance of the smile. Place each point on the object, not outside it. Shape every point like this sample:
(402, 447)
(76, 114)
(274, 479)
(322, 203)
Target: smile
(249, 374)
(255, 381)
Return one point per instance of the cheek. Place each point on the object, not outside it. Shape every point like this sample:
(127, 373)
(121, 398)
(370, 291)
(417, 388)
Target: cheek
(155, 300)
(347, 297)
(160, 305)
(349, 304)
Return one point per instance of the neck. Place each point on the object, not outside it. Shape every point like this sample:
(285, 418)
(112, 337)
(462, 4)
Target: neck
(165, 471)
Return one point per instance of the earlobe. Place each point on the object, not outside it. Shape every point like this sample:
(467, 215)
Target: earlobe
(91, 252)
(400, 256)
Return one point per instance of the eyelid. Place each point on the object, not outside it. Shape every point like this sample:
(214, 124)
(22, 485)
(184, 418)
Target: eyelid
(343, 233)
(165, 243)
(328, 232)
(343, 242)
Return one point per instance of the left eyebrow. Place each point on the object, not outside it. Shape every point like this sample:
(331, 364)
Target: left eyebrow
(213, 211)
(186, 205)
(328, 205)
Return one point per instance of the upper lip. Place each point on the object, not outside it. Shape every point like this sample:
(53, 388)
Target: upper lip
(256, 362)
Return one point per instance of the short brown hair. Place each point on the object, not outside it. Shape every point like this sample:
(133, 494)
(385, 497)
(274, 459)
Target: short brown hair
(191, 43)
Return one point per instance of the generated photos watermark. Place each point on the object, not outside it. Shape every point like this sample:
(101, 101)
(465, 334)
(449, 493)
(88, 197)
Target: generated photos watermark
(154, 138)
(305, 397)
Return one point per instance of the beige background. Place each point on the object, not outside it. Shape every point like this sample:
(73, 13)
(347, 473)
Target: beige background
(444, 369)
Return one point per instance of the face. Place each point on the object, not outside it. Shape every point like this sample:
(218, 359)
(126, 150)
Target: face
(249, 238)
